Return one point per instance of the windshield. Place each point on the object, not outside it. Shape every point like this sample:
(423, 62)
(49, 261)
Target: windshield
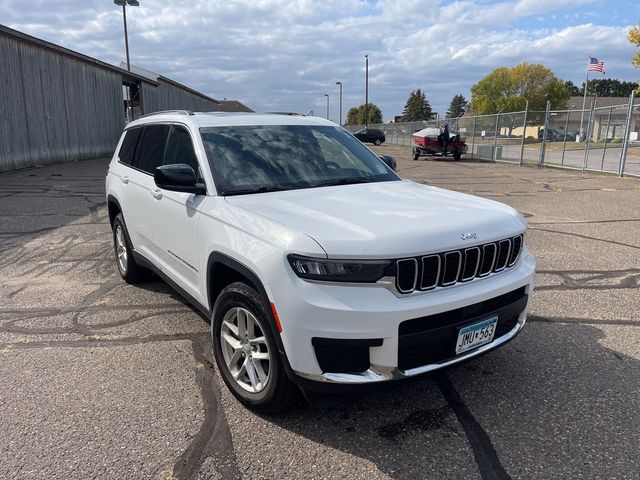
(264, 158)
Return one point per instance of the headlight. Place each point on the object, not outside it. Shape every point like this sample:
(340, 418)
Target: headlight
(327, 270)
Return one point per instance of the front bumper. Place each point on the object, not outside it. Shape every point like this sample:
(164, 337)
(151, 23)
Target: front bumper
(372, 316)
(380, 373)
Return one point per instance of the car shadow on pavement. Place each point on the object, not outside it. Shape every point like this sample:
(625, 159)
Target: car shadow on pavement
(556, 402)
(154, 284)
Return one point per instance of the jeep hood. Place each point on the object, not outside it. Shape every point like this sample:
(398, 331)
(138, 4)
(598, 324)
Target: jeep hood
(385, 219)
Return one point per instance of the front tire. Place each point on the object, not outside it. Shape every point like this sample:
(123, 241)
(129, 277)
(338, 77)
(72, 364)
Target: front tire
(129, 270)
(377, 142)
(246, 352)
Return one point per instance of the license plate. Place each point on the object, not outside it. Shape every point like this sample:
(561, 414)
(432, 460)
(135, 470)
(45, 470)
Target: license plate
(475, 335)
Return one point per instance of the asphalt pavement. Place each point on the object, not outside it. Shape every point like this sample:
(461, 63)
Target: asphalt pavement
(101, 379)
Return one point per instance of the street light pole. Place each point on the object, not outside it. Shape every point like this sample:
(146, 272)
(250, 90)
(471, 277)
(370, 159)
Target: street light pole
(123, 4)
(366, 91)
(327, 95)
(340, 83)
(126, 35)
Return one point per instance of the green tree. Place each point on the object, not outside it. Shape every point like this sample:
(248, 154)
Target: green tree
(634, 37)
(602, 87)
(573, 89)
(352, 116)
(356, 115)
(609, 87)
(509, 89)
(457, 107)
(417, 107)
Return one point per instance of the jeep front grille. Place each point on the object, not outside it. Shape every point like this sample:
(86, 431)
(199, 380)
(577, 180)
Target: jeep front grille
(488, 259)
(452, 263)
(448, 268)
(471, 263)
(431, 265)
(406, 275)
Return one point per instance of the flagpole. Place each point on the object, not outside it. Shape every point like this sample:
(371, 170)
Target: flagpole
(584, 99)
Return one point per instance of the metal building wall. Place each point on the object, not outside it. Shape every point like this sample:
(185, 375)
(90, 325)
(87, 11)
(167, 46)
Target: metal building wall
(167, 96)
(55, 108)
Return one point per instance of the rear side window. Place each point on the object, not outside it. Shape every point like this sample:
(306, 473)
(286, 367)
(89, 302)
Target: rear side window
(180, 149)
(128, 148)
(151, 149)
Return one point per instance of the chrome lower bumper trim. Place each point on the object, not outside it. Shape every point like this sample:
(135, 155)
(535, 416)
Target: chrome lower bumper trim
(380, 374)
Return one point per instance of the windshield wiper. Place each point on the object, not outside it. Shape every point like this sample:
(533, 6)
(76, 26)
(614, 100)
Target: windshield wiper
(247, 191)
(344, 181)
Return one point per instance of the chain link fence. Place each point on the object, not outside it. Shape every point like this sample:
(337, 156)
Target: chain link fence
(605, 139)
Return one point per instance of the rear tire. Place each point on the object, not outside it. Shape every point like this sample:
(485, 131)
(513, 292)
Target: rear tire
(377, 142)
(129, 270)
(246, 351)
(416, 154)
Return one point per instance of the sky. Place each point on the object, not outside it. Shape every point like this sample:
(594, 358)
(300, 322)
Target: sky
(285, 55)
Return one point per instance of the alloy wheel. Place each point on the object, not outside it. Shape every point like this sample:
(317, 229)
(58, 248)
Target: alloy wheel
(121, 249)
(245, 349)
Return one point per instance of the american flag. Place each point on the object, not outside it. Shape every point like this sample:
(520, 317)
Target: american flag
(595, 65)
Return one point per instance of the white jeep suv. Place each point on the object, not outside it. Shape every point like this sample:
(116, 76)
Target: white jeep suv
(318, 266)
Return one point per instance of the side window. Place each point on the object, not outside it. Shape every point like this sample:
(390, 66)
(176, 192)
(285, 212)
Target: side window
(128, 147)
(151, 149)
(180, 149)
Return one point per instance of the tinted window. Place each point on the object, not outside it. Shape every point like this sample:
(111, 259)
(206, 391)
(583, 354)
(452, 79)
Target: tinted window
(246, 159)
(151, 147)
(180, 149)
(128, 147)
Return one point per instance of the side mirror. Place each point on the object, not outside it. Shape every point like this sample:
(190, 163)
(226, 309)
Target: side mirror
(178, 177)
(390, 160)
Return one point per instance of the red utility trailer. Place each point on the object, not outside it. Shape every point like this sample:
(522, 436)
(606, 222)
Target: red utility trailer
(430, 141)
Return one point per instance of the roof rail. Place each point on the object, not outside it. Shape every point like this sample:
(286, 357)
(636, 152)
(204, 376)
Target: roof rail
(292, 114)
(182, 112)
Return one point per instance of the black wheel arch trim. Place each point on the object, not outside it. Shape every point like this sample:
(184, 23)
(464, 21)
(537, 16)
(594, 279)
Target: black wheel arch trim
(112, 199)
(221, 258)
(226, 260)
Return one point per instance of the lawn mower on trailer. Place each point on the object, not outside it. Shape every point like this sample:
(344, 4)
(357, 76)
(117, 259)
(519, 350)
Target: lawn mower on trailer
(438, 142)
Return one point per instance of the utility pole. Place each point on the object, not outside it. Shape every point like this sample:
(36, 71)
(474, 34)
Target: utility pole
(366, 91)
(340, 108)
(327, 95)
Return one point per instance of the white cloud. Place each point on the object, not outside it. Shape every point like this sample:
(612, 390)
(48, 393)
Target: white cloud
(531, 7)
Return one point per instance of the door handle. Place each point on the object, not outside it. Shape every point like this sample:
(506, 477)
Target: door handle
(156, 193)
(124, 179)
